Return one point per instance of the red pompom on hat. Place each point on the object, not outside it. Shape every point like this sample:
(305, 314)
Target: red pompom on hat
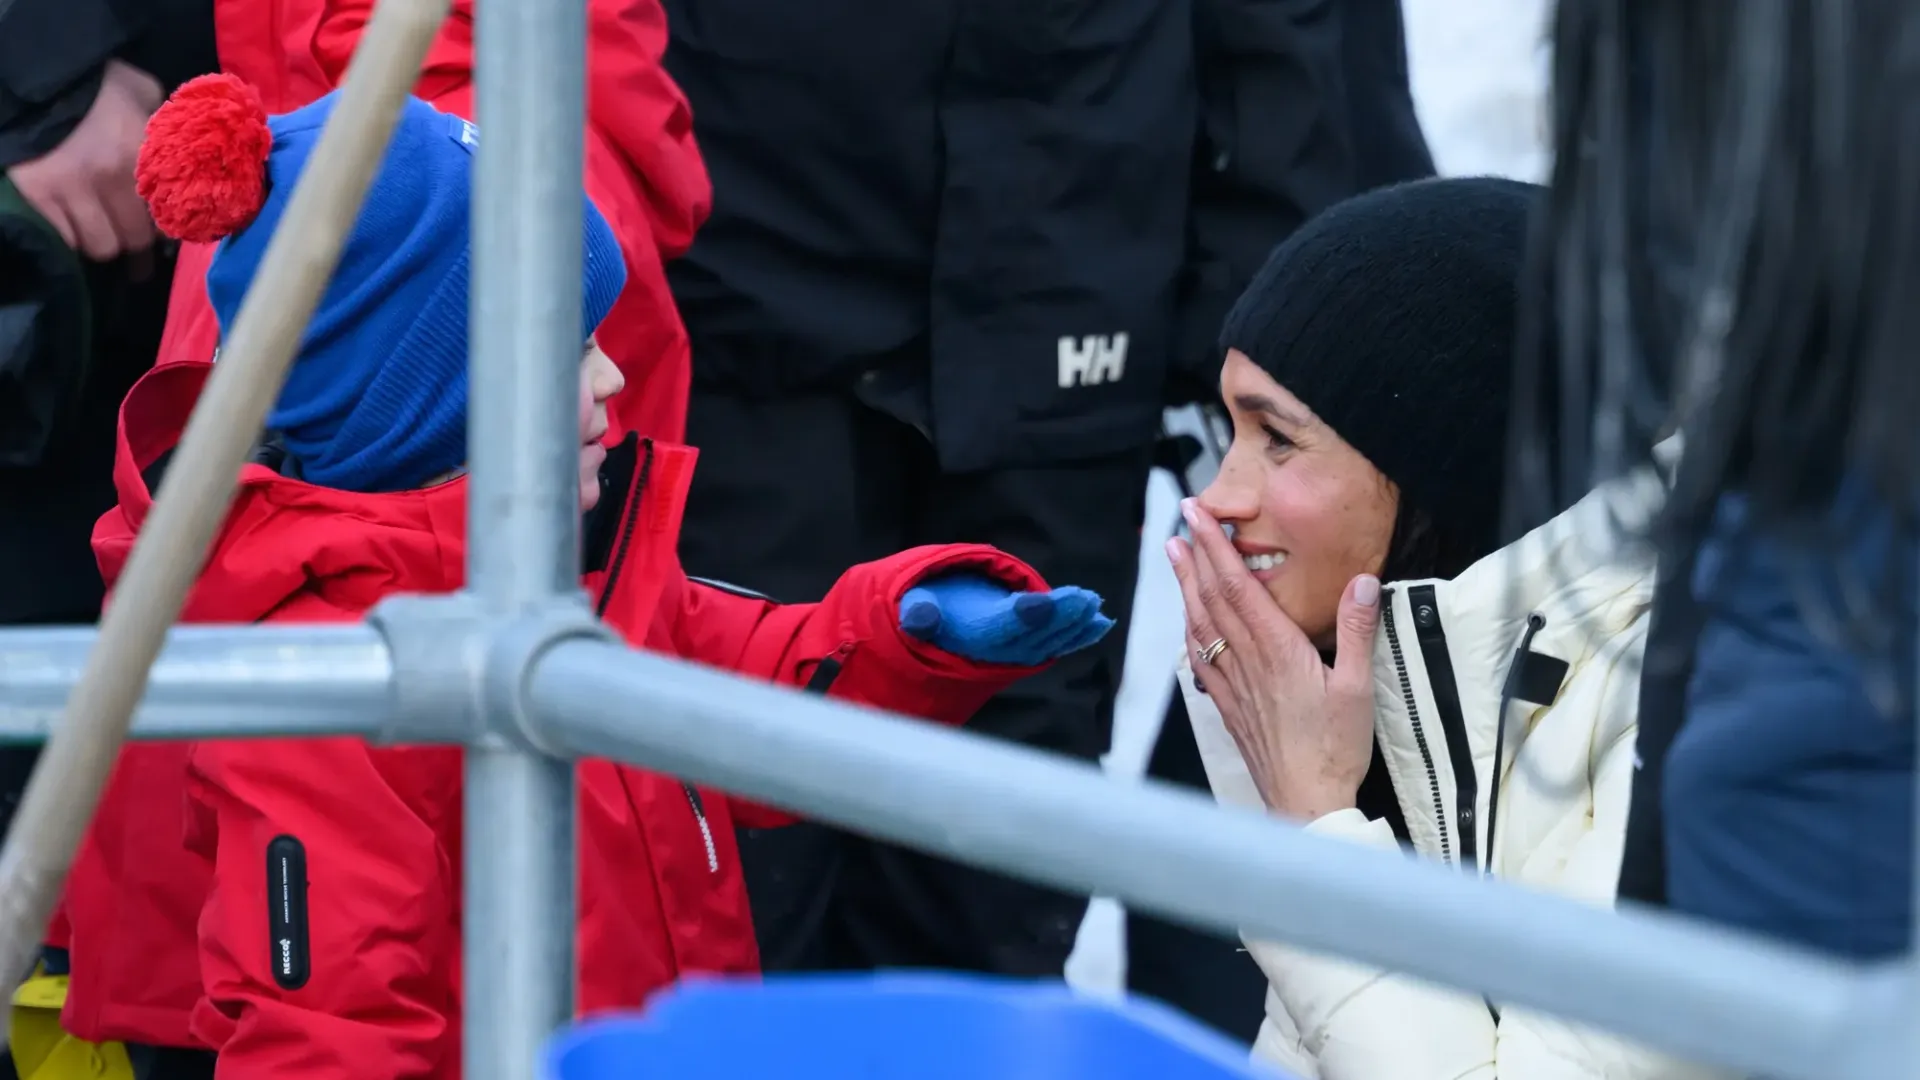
(203, 166)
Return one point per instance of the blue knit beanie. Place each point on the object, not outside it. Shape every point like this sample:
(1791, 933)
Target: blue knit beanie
(377, 396)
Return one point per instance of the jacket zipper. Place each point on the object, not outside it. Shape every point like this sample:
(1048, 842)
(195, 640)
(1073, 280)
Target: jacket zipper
(1536, 622)
(818, 683)
(706, 831)
(1419, 733)
(829, 669)
(1432, 635)
(629, 520)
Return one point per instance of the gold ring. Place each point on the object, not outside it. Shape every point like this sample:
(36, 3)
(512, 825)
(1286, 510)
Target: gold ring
(1212, 652)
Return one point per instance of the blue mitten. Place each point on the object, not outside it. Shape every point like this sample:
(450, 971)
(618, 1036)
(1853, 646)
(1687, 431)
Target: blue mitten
(973, 616)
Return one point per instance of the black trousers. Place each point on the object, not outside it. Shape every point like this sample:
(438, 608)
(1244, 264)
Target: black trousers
(788, 495)
(1209, 976)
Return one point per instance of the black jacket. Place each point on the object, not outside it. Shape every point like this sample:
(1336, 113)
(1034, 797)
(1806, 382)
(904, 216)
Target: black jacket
(52, 53)
(1008, 221)
(73, 335)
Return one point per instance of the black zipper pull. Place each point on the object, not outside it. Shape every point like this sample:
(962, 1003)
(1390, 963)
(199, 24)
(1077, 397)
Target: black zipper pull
(1534, 678)
(829, 669)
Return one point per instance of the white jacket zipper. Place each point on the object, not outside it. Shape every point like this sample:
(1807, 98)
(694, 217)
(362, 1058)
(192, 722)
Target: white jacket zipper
(1419, 733)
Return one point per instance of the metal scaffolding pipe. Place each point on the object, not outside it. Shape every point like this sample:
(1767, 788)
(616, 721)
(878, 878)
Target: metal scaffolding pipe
(211, 682)
(523, 511)
(1709, 995)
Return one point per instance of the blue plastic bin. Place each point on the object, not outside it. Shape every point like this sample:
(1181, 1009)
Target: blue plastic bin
(896, 1027)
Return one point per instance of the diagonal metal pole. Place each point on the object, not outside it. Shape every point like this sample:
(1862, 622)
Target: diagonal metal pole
(1704, 992)
(523, 549)
(66, 786)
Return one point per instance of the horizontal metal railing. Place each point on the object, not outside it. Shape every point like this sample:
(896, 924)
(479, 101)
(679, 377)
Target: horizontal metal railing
(231, 682)
(1707, 994)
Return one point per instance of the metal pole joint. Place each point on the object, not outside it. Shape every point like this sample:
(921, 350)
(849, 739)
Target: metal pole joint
(460, 674)
(514, 647)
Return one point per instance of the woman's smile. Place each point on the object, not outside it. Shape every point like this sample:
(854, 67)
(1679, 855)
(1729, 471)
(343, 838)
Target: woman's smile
(1262, 562)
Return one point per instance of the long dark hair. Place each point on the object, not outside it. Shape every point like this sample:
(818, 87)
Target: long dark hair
(1733, 245)
(1420, 548)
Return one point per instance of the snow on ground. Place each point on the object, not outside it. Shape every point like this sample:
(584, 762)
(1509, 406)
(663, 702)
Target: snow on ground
(1479, 71)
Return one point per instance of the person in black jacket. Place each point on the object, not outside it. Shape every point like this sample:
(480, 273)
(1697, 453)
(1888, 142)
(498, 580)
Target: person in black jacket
(83, 284)
(958, 256)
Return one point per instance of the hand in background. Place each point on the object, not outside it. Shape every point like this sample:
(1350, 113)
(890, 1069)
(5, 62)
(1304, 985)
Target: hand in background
(84, 186)
(980, 619)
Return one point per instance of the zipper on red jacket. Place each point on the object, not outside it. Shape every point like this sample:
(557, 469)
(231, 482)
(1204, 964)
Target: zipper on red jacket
(829, 669)
(706, 830)
(629, 520)
(819, 682)
(1413, 717)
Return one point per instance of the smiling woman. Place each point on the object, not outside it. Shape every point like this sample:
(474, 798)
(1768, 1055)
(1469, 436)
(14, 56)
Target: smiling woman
(1310, 512)
(1372, 663)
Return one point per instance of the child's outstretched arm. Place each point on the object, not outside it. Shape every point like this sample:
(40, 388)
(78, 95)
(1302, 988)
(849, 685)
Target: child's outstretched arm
(931, 632)
(873, 640)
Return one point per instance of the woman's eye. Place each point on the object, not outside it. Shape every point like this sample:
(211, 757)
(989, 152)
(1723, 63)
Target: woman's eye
(1275, 440)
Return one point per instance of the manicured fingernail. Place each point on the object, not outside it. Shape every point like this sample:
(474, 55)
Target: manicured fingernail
(1173, 552)
(1366, 590)
(1189, 511)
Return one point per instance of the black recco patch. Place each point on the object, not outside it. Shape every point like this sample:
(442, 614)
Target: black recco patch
(287, 940)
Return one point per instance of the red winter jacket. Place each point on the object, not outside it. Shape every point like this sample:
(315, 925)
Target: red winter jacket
(642, 168)
(660, 889)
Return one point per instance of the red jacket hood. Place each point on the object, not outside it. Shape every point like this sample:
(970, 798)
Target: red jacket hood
(633, 105)
(282, 538)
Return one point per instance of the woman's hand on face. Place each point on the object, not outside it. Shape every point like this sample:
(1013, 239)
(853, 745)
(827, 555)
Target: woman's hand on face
(1305, 729)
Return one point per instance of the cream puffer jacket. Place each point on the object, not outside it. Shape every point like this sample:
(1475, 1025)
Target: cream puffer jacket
(1565, 608)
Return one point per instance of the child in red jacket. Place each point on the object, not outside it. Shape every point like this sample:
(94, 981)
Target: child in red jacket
(357, 494)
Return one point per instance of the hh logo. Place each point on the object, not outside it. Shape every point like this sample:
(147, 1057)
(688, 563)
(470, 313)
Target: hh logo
(1092, 360)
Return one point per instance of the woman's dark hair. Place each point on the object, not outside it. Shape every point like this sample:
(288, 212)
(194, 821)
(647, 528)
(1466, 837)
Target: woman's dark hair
(1419, 548)
(1733, 237)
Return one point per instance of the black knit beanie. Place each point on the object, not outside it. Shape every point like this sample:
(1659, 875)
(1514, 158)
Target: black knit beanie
(1392, 316)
